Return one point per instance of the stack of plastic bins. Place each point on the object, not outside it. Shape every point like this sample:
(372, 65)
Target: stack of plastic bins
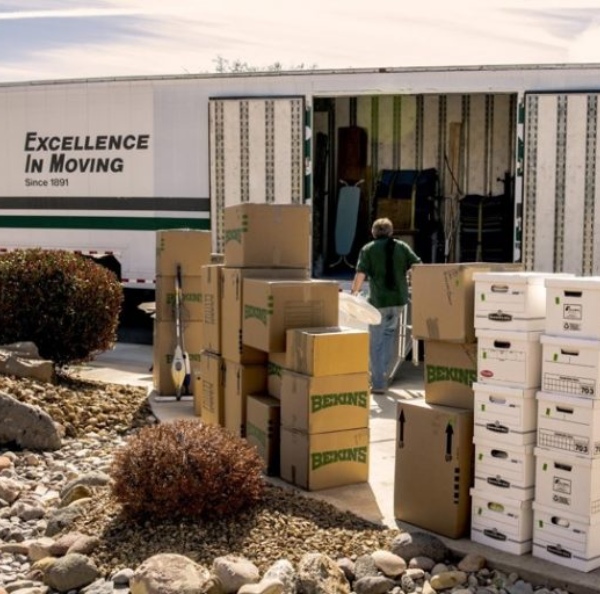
(567, 498)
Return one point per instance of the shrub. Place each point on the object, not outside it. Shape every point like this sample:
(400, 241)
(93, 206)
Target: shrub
(66, 304)
(186, 469)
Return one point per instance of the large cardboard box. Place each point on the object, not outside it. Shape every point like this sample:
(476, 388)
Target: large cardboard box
(326, 403)
(504, 414)
(501, 523)
(188, 248)
(510, 300)
(570, 366)
(232, 344)
(191, 299)
(271, 307)
(324, 460)
(450, 370)
(212, 307)
(509, 358)
(443, 299)
(267, 235)
(566, 539)
(212, 389)
(275, 366)
(572, 307)
(164, 343)
(327, 351)
(263, 429)
(240, 381)
(568, 483)
(434, 448)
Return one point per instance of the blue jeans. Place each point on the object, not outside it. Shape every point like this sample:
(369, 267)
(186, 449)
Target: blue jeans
(382, 346)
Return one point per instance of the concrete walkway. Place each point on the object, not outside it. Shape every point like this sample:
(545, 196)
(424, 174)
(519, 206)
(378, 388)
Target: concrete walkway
(130, 364)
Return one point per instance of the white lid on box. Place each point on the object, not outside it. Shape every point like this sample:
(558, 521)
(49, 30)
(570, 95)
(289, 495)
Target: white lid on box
(508, 334)
(574, 282)
(534, 278)
(567, 341)
(567, 400)
(504, 390)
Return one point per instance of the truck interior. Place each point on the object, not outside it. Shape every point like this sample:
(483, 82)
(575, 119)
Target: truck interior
(441, 167)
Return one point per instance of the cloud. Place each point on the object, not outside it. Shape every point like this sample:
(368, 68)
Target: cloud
(41, 39)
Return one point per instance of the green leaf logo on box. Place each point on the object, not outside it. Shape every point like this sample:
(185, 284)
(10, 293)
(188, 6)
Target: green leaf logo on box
(260, 313)
(320, 459)
(236, 234)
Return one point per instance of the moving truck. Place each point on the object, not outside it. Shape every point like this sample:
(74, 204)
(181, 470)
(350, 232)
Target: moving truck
(98, 165)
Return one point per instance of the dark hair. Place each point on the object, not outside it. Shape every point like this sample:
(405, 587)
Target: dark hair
(390, 276)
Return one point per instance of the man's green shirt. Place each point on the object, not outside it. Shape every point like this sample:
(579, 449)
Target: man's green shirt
(371, 262)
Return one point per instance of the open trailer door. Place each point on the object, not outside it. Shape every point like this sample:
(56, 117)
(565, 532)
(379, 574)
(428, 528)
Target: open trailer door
(561, 185)
(256, 154)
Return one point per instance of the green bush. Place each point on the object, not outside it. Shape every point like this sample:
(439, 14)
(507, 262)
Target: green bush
(186, 469)
(66, 304)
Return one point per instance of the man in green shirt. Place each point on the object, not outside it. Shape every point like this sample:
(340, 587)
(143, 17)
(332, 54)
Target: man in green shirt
(385, 262)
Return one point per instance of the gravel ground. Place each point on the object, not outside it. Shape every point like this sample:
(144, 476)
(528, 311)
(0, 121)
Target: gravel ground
(286, 524)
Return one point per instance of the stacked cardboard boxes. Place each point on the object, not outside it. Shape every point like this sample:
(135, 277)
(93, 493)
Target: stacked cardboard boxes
(262, 242)
(510, 314)
(566, 509)
(325, 406)
(189, 249)
(437, 433)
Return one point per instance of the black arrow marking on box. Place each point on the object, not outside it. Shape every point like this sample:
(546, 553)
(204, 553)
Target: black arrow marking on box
(449, 434)
(402, 420)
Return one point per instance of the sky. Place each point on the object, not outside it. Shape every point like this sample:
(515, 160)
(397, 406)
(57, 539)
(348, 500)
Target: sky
(61, 39)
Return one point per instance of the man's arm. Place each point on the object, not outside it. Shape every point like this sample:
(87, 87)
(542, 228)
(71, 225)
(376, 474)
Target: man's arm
(359, 279)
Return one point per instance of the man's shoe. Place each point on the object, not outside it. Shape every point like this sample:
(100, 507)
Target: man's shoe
(378, 390)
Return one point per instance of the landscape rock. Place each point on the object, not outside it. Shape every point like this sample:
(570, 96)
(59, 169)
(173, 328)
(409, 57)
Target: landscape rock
(373, 584)
(70, 572)
(169, 573)
(22, 359)
(389, 564)
(319, 574)
(448, 579)
(27, 426)
(419, 544)
(234, 572)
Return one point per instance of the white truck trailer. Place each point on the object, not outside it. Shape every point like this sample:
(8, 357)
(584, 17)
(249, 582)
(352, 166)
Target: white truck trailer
(98, 165)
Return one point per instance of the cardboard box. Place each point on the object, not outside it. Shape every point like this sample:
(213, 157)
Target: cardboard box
(570, 366)
(213, 309)
(262, 429)
(510, 300)
(505, 469)
(569, 424)
(505, 414)
(326, 403)
(501, 523)
(275, 366)
(450, 370)
(443, 299)
(232, 343)
(191, 299)
(565, 539)
(240, 381)
(567, 482)
(212, 389)
(271, 307)
(189, 248)
(164, 342)
(324, 460)
(572, 307)
(327, 351)
(267, 235)
(433, 447)
(509, 358)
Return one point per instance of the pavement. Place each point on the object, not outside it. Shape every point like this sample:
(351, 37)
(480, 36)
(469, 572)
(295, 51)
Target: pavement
(131, 363)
